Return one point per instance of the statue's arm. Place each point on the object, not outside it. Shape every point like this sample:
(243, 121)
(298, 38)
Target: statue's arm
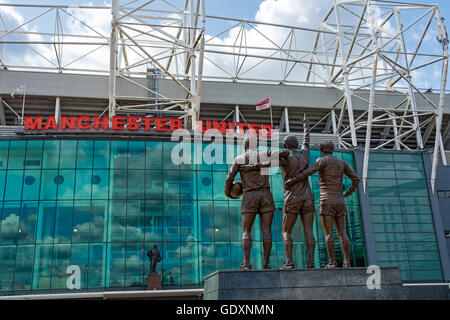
(281, 154)
(355, 180)
(230, 179)
(306, 134)
(304, 174)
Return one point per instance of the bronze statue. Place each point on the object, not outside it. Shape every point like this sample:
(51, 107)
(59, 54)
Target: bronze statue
(298, 198)
(155, 257)
(332, 205)
(257, 199)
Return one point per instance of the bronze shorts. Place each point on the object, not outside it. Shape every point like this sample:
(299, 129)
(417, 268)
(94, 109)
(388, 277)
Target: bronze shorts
(334, 210)
(257, 201)
(300, 207)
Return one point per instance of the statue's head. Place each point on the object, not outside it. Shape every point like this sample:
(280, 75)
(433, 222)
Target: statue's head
(250, 143)
(290, 142)
(326, 147)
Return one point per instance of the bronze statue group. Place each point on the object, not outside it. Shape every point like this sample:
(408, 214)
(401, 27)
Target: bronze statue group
(298, 199)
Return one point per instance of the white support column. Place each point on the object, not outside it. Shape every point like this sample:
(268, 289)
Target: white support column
(443, 38)
(58, 111)
(196, 107)
(412, 98)
(347, 91)
(286, 119)
(2, 113)
(113, 60)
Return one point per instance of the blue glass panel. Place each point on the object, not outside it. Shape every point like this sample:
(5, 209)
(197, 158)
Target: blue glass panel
(222, 256)
(171, 263)
(204, 183)
(188, 185)
(66, 184)
(134, 265)
(83, 184)
(206, 220)
(118, 184)
(221, 221)
(63, 222)
(85, 154)
(398, 157)
(218, 185)
(117, 221)
(16, 158)
(81, 222)
(68, 154)
(136, 184)
(10, 223)
(61, 260)
(80, 257)
(13, 186)
(153, 155)
(207, 261)
(49, 183)
(31, 185)
(136, 155)
(7, 259)
(97, 266)
(115, 271)
(189, 263)
(171, 221)
(4, 150)
(50, 157)
(135, 220)
(235, 221)
(23, 272)
(102, 150)
(153, 220)
(381, 166)
(46, 222)
(42, 267)
(171, 184)
(188, 221)
(27, 223)
(33, 158)
(381, 157)
(119, 154)
(99, 210)
(153, 184)
(100, 184)
(2, 183)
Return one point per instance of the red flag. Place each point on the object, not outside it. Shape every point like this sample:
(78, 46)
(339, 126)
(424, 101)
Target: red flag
(265, 104)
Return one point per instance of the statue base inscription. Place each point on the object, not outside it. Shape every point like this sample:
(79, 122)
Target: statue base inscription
(313, 284)
(154, 281)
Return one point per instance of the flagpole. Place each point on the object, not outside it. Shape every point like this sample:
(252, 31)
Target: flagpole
(270, 108)
(23, 103)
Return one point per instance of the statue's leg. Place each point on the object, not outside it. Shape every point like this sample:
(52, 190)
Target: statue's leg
(307, 217)
(247, 224)
(327, 222)
(266, 229)
(288, 223)
(342, 234)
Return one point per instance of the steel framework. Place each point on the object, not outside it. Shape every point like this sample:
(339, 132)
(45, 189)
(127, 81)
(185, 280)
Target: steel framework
(360, 47)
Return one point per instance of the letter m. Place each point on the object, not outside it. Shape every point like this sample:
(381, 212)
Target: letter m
(33, 125)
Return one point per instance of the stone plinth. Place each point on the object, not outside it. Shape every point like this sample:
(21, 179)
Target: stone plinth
(304, 284)
(154, 281)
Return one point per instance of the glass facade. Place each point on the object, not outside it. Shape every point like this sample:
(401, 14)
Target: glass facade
(102, 204)
(402, 216)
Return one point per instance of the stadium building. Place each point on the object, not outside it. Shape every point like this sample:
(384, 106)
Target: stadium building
(87, 173)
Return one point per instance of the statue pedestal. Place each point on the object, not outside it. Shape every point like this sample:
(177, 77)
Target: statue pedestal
(154, 281)
(309, 284)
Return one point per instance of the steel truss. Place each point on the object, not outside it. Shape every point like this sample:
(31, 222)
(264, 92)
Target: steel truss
(360, 48)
